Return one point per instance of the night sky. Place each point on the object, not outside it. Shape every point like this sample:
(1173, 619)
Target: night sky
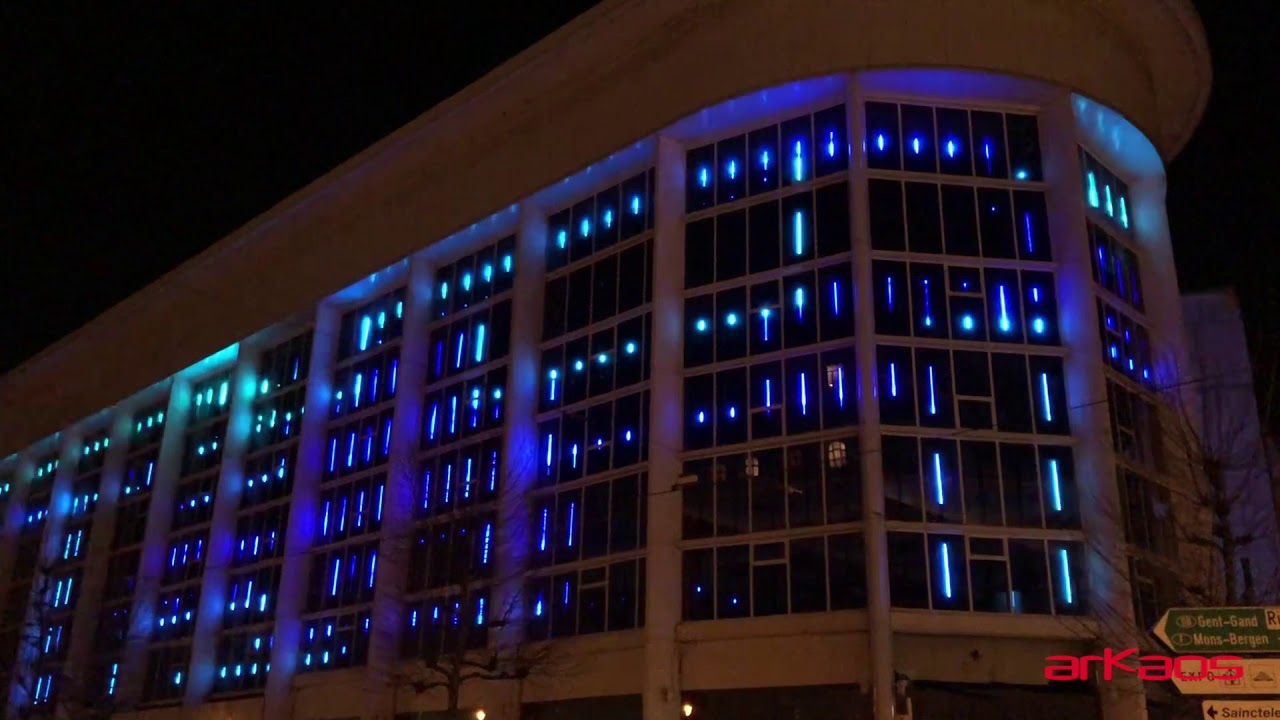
(135, 139)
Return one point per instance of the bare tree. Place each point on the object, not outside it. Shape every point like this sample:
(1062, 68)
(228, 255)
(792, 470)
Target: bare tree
(40, 615)
(464, 606)
(1194, 486)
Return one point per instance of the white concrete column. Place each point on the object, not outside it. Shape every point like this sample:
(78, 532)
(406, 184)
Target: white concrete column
(1163, 302)
(222, 528)
(1095, 475)
(397, 513)
(662, 698)
(23, 470)
(85, 625)
(154, 552)
(68, 445)
(303, 504)
(520, 441)
(11, 524)
(879, 628)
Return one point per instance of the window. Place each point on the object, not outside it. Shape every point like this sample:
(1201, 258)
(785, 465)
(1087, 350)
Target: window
(348, 510)
(260, 535)
(358, 445)
(1106, 194)
(604, 598)
(186, 557)
(952, 141)
(342, 577)
(811, 574)
(474, 279)
(596, 223)
(1115, 267)
(371, 325)
(167, 673)
(251, 596)
(792, 152)
(1126, 344)
(979, 483)
(335, 641)
(175, 615)
(446, 625)
(268, 477)
(148, 426)
(243, 660)
(285, 364)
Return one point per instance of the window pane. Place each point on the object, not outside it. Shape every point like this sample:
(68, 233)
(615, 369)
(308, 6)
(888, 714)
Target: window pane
(1030, 576)
(949, 571)
(770, 588)
(846, 564)
(699, 501)
(623, 595)
(595, 520)
(908, 583)
(808, 575)
(733, 577)
(902, 500)
(1013, 407)
(1021, 485)
(763, 236)
(804, 485)
(888, 229)
(623, 514)
(981, 483)
(731, 495)
(699, 583)
(924, 224)
(844, 481)
(730, 247)
(768, 490)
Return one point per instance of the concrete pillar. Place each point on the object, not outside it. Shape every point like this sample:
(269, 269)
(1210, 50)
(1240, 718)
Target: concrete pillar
(17, 475)
(22, 469)
(303, 503)
(38, 610)
(879, 628)
(1108, 575)
(1169, 351)
(397, 513)
(520, 442)
(662, 698)
(154, 552)
(222, 528)
(79, 665)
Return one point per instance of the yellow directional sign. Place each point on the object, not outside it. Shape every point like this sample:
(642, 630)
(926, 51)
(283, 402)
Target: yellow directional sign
(1258, 677)
(1240, 709)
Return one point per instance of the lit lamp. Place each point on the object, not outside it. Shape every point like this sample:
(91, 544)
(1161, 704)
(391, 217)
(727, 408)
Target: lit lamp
(686, 709)
(480, 714)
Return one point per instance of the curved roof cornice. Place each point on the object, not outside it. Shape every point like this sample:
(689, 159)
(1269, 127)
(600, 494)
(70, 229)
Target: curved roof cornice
(617, 74)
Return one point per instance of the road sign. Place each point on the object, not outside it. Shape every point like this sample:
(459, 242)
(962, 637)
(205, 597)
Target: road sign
(1258, 677)
(1220, 631)
(1240, 709)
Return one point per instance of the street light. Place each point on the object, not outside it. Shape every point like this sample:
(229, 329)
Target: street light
(686, 709)
(480, 714)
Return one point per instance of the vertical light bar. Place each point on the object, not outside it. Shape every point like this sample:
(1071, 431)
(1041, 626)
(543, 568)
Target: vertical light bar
(764, 323)
(937, 479)
(1044, 396)
(366, 326)
(893, 380)
(1093, 190)
(888, 281)
(804, 395)
(799, 298)
(479, 343)
(1005, 324)
(797, 164)
(1068, 593)
(542, 535)
(1124, 213)
(1111, 208)
(1026, 222)
(933, 399)
(835, 297)
(572, 508)
(840, 384)
(462, 341)
(1055, 486)
(946, 570)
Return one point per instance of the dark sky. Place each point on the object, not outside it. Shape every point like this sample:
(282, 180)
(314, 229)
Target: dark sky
(135, 139)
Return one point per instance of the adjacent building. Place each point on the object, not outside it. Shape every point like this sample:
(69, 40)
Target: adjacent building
(761, 359)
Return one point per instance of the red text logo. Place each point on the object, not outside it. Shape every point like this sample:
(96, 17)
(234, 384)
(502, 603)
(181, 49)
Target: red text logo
(1148, 667)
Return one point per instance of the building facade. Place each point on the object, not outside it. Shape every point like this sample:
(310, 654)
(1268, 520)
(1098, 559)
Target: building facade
(752, 357)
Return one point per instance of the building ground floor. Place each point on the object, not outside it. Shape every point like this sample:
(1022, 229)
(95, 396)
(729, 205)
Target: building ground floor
(776, 668)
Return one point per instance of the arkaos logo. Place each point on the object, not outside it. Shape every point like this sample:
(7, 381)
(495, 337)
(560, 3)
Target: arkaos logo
(1147, 667)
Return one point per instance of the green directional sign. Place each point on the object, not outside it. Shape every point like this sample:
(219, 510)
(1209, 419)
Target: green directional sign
(1220, 631)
